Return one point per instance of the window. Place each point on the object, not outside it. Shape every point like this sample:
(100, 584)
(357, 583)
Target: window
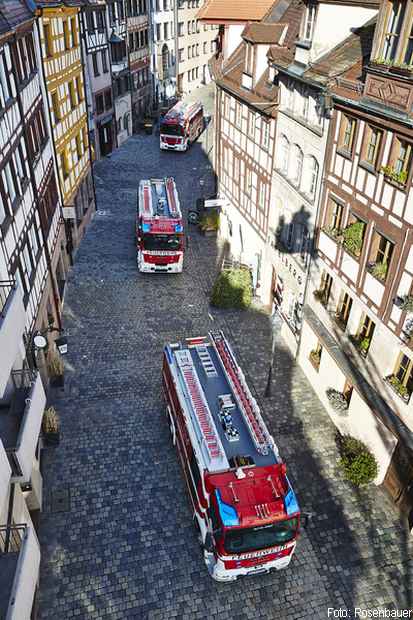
(365, 334)
(347, 131)
(393, 28)
(404, 375)
(31, 54)
(261, 196)
(205, 48)
(78, 146)
(315, 356)
(131, 45)
(265, 135)
(189, 51)
(343, 310)
(75, 41)
(188, 27)
(312, 176)
(56, 105)
(79, 89)
(165, 31)
(400, 162)
(303, 240)
(100, 21)
(181, 53)
(408, 56)
(304, 104)
(180, 29)
(238, 114)
(158, 32)
(64, 164)
(381, 252)
(334, 217)
(325, 288)
(89, 21)
(95, 64)
(371, 145)
(104, 61)
(72, 95)
(299, 158)
(99, 104)
(126, 122)
(248, 182)
(307, 30)
(48, 43)
(66, 34)
(284, 155)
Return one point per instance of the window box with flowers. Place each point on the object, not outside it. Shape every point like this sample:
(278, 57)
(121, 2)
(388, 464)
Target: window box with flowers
(378, 270)
(396, 178)
(361, 344)
(338, 401)
(353, 237)
(398, 387)
(321, 296)
(405, 303)
(335, 233)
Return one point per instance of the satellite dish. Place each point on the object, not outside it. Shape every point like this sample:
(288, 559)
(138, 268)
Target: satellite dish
(40, 341)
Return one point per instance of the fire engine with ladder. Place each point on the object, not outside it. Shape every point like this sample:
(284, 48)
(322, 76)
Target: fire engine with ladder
(244, 505)
(159, 227)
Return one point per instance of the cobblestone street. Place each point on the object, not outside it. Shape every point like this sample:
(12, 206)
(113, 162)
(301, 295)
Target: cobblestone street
(116, 533)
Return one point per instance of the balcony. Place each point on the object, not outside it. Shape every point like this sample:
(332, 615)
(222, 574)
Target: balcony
(20, 422)
(19, 571)
(5, 475)
(12, 321)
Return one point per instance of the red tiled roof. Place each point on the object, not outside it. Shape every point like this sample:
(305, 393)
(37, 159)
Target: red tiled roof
(234, 10)
(264, 33)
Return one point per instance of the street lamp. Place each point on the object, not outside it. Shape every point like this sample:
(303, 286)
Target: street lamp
(275, 323)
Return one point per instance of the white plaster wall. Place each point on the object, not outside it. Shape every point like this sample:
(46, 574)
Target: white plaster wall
(232, 39)
(123, 105)
(334, 23)
(11, 332)
(5, 475)
(360, 422)
(262, 62)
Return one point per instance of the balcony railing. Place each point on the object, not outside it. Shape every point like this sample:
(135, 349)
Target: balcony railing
(19, 571)
(20, 421)
(6, 289)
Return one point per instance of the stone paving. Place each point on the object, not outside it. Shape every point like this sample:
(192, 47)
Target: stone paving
(122, 544)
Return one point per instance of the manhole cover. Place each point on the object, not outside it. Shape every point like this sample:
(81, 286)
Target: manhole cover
(61, 500)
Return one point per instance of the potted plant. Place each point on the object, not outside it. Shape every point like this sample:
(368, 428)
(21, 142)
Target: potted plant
(398, 387)
(407, 304)
(209, 223)
(379, 270)
(356, 462)
(364, 345)
(50, 426)
(353, 238)
(336, 233)
(55, 369)
(390, 174)
(337, 400)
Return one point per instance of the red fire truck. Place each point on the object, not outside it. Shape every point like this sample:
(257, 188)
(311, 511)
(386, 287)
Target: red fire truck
(181, 126)
(244, 505)
(159, 227)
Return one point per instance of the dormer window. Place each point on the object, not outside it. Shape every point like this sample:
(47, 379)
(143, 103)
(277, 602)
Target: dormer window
(393, 29)
(249, 59)
(308, 24)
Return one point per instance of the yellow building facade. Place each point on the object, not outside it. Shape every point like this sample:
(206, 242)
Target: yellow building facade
(64, 87)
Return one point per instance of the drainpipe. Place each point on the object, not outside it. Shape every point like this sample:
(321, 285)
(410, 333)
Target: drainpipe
(36, 200)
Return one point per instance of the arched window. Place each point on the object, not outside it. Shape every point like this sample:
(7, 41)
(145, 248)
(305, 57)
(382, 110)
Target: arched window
(165, 59)
(312, 176)
(298, 165)
(284, 154)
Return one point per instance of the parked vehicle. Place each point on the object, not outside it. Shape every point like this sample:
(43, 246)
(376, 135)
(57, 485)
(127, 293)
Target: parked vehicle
(181, 126)
(159, 227)
(244, 505)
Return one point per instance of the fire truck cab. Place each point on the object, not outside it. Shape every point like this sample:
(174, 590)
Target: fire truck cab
(181, 126)
(159, 227)
(244, 505)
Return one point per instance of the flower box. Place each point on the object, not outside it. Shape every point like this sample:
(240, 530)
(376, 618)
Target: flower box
(398, 388)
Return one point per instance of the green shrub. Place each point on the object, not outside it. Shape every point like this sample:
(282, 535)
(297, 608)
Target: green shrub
(353, 237)
(357, 463)
(232, 289)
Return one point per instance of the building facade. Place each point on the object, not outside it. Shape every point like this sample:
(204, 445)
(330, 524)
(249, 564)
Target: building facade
(98, 76)
(163, 51)
(32, 273)
(121, 80)
(357, 322)
(196, 43)
(63, 82)
(138, 27)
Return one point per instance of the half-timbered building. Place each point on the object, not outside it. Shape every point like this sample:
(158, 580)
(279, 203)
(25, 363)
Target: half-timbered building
(31, 268)
(357, 328)
(121, 81)
(63, 81)
(98, 74)
(139, 58)
(246, 106)
(302, 130)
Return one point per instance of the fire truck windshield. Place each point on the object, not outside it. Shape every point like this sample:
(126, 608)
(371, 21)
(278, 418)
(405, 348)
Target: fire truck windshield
(161, 242)
(262, 537)
(172, 130)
